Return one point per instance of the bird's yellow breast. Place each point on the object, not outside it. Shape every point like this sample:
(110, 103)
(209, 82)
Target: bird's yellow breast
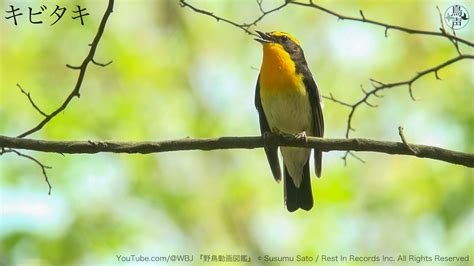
(283, 94)
(278, 72)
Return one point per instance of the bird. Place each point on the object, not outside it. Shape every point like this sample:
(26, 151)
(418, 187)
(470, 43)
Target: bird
(288, 101)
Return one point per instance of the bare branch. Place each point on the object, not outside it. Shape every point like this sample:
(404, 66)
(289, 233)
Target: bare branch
(31, 100)
(443, 30)
(349, 120)
(443, 34)
(344, 158)
(101, 64)
(404, 141)
(259, 3)
(410, 90)
(243, 26)
(264, 13)
(183, 3)
(371, 105)
(379, 86)
(376, 83)
(76, 91)
(73, 67)
(331, 97)
(326, 144)
(347, 153)
(43, 167)
(355, 156)
(455, 43)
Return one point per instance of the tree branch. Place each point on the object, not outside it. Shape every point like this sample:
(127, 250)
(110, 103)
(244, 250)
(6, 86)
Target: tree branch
(243, 26)
(404, 140)
(310, 4)
(28, 95)
(388, 147)
(379, 86)
(443, 34)
(31, 158)
(82, 71)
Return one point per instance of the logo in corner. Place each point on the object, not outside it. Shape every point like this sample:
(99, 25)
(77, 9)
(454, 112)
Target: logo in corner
(456, 17)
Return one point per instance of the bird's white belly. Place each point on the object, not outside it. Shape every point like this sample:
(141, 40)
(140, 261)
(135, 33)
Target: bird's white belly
(290, 113)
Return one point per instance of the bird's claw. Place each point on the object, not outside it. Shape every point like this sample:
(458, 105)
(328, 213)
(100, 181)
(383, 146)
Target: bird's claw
(301, 136)
(97, 143)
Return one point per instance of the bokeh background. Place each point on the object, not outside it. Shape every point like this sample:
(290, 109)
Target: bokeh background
(176, 73)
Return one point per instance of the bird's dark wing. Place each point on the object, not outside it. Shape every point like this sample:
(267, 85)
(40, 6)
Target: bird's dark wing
(271, 152)
(318, 121)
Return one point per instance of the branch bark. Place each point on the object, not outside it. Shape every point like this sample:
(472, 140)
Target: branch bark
(326, 145)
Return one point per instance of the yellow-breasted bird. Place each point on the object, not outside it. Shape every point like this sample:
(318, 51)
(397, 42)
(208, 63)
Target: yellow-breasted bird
(288, 101)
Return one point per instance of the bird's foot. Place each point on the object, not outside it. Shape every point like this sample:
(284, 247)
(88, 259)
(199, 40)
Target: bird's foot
(301, 136)
(97, 143)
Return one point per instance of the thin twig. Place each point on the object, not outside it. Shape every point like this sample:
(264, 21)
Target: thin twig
(265, 13)
(183, 3)
(76, 91)
(380, 86)
(363, 19)
(101, 64)
(40, 164)
(243, 26)
(355, 156)
(331, 97)
(28, 95)
(443, 30)
(73, 67)
(259, 3)
(347, 153)
(404, 141)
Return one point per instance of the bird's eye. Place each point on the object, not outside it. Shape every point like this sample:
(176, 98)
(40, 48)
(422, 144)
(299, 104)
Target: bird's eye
(284, 38)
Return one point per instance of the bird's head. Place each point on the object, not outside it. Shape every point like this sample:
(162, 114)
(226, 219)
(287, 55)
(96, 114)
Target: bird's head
(279, 42)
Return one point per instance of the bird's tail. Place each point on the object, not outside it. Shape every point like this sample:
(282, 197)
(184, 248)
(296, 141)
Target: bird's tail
(301, 197)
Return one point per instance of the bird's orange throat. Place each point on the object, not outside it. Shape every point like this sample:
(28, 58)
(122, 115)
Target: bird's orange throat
(278, 71)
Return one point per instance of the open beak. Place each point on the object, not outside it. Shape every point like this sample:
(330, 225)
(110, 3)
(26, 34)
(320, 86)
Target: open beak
(265, 37)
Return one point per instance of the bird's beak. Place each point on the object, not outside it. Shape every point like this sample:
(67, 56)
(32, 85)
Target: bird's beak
(265, 37)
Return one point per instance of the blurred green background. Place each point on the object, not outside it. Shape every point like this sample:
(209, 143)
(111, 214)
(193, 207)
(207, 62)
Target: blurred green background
(176, 73)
